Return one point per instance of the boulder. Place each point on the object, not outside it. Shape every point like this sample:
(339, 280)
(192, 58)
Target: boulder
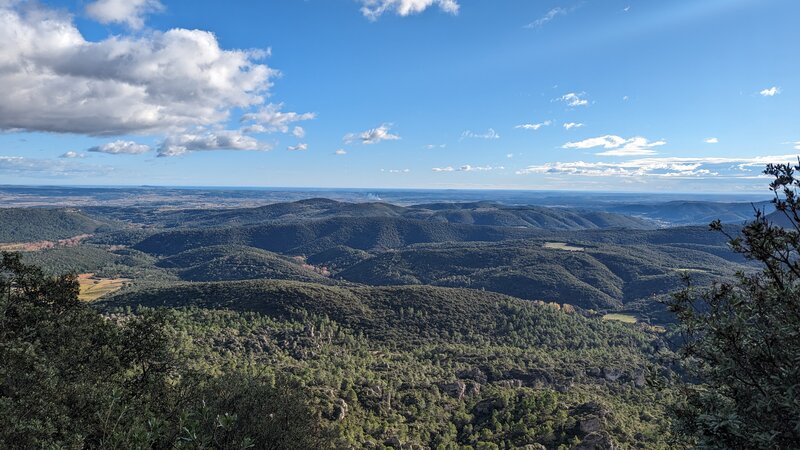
(341, 408)
(590, 425)
(612, 374)
(456, 389)
(597, 441)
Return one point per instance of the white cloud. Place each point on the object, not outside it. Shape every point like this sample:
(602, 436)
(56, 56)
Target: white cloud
(373, 9)
(270, 119)
(467, 168)
(797, 145)
(489, 134)
(574, 99)
(550, 15)
(433, 146)
(711, 140)
(340, 152)
(534, 126)
(668, 167)
(373, 136)
(48, 168)
(55, 80)
(571, 125)
(617, 146)
(510, 155)
(297, 148)
(180, 144)
(72, 155)
(299, 132)
(120, 148)
(129, 12)
(770, 92)
(396, 170)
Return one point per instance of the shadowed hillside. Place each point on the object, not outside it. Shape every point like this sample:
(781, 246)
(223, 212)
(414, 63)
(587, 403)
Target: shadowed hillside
(27, 225)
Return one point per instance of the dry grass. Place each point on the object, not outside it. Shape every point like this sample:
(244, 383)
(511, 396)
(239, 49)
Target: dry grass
(625, 318)
(563, 246)
(687, 270)
(93, 288)
(42, 245)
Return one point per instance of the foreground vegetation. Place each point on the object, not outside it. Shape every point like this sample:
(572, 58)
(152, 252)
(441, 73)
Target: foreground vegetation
(425, 375)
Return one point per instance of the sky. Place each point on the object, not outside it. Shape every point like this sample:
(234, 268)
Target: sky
(607, 95)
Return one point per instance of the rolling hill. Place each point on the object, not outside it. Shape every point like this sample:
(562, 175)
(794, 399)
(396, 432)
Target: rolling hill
(34, 224)
(476, 213)
(598, 277)
(220, 263)
(311, 237)
(404, 315)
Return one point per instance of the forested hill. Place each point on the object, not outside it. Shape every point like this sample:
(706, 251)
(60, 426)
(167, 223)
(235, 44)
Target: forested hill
(406, 316)
(479, 213)
(313, 236)
(33, 224)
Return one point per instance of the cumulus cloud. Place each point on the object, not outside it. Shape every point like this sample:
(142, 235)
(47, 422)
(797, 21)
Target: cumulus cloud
(574, 99)
(55, 80)
(534, 126)
(571, 125)
(72, 155)
(120, 148)
(340, 152)
(373, 136)
(270, 119)
(489, 134)
(550, 15)
(667, 167)
(373, 9)
(770, 92)
(297, 148)
(299, 132)
(617, 146)
(180, 144)
(433, 146)
(396, 170)
(129, 12)
(711, 140)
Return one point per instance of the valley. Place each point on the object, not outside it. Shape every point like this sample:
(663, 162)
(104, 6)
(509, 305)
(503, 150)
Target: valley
(440, 321)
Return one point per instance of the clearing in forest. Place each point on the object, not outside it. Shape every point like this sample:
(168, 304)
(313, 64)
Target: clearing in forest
(563, 246)
(92, 288)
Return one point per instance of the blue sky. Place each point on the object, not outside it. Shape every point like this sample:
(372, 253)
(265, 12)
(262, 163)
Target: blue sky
(629, 95)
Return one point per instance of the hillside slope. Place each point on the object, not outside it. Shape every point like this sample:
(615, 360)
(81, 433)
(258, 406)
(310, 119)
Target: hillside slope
(312, 237)
(33, 224)
(597, 277)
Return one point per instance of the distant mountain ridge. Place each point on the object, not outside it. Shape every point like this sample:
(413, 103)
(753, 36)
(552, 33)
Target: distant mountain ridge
(475, 213)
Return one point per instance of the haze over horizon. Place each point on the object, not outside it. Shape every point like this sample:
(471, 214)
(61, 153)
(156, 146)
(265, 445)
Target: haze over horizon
(633, 96)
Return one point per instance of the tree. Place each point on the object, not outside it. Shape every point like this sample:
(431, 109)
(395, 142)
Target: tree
(71, 377)
(742, 338)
